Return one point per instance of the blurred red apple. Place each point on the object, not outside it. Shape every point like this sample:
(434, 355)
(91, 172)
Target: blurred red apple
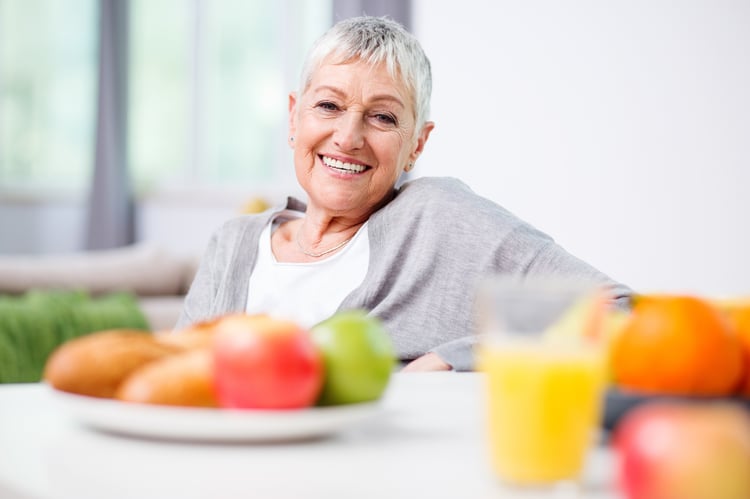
(673, 450)
(265, 363)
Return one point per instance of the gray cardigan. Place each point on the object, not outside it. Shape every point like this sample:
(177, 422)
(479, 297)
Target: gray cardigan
(429, 247)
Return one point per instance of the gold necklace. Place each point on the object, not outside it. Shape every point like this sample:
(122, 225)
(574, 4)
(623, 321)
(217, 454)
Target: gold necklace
(322, 253)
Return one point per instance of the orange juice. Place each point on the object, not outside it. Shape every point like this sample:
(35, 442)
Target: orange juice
(544, 408)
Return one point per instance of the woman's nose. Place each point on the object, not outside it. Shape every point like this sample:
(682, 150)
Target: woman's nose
(349, 133)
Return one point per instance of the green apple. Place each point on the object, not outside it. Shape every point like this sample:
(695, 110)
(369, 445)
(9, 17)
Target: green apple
(358, 356)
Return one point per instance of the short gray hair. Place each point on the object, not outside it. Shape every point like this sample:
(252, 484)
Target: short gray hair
(376, 40)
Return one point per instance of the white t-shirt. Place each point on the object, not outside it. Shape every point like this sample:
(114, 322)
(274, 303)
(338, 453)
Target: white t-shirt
(306, 293)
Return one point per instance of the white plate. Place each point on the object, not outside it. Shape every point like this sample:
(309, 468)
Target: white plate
(217, 425)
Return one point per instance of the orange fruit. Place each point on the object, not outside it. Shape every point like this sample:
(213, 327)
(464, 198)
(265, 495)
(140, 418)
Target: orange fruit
(681, 345)
(738, 313)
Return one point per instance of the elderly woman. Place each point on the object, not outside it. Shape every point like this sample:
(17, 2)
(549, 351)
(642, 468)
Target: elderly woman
(411, 255)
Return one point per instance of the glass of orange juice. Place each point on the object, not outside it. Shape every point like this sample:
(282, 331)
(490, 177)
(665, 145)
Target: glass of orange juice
(545, 372)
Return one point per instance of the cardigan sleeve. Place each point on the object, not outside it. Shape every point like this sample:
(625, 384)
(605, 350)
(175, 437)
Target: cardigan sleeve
(199, 299)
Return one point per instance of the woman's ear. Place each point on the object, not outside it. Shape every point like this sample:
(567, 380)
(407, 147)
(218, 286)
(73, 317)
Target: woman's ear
(292, 118)
(422, 137)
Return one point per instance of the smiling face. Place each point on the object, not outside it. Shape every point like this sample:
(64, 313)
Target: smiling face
(354, 133)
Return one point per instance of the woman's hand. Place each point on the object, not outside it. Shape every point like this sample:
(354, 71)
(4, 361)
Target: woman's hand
(427, 362)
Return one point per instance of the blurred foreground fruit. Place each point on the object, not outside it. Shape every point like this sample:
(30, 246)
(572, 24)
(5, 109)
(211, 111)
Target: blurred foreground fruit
(265, 363)
(677, 345)
(738, 313)
(684, 451)
(583, 320)
(590, 319)
(358, 356)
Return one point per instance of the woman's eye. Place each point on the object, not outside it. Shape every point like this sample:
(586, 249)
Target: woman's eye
(327, 106)
(386, 119)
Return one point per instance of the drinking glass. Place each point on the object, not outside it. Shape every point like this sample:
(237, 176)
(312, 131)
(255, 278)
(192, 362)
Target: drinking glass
(545, 377)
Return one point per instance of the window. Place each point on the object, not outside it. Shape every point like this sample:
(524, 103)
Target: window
(207, 90)
(47, 93)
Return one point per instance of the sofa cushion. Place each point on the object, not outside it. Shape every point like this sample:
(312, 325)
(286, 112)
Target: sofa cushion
(143, 269)
(32, 325)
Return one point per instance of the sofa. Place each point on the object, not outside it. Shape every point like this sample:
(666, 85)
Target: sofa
(156, 277)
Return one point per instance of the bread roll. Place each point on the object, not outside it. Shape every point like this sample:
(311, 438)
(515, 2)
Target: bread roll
(184, 379)
(199, 335)
(97, 363)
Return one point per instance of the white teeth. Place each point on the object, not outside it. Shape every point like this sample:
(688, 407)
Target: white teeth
(340, 165)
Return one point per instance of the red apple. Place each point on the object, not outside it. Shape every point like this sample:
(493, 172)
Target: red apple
(265, 363)
(672, 450)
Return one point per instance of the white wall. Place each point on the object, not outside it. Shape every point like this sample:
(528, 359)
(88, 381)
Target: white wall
(621, 128)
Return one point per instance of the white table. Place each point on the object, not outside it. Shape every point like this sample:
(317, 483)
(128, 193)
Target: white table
(428, 443)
